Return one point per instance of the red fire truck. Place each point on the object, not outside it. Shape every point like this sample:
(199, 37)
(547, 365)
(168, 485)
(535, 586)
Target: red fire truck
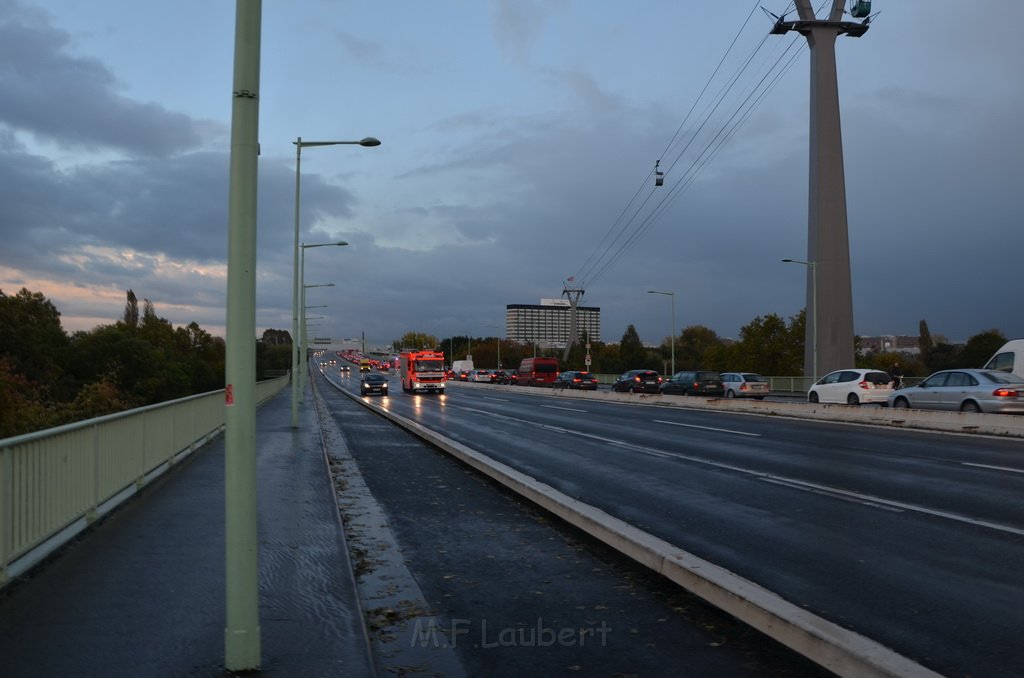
(422, 371)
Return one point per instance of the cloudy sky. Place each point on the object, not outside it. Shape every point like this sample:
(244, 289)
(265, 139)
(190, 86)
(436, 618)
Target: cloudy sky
(519, 140)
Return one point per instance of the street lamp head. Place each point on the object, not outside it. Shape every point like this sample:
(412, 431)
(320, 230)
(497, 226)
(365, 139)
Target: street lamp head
(369, 141)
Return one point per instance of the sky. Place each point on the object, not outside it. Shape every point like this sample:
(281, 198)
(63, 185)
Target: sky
(519, 139)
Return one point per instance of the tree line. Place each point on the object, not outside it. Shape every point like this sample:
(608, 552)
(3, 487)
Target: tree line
(49, 377)
(768, 345)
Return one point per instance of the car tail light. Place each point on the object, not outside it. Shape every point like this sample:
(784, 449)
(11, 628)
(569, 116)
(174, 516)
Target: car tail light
(636, 378)
(577, 380)
(865, 384)
(743, 387)
(1006, 393)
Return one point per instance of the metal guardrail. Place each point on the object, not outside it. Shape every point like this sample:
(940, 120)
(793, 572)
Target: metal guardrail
(56, 482)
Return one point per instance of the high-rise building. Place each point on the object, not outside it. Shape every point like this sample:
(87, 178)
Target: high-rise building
(549, 322)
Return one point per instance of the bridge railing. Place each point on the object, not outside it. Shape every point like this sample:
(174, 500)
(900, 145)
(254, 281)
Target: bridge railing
(55, 482)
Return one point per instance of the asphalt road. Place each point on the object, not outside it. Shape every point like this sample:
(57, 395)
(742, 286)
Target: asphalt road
(475, 581)
(912, 539)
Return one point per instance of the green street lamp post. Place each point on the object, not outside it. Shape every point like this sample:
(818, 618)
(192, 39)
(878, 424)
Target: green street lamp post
(302, 339)
(299, 145)
(298, 378)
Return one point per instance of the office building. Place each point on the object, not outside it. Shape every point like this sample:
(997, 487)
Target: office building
(549, 322)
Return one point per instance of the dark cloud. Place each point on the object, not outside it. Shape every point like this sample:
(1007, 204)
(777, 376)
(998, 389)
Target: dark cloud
(73, 102)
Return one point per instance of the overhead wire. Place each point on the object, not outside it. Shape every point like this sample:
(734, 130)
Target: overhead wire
(603, 256)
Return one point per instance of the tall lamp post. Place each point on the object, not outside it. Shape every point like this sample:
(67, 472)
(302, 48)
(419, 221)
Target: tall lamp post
(302, 339)
(298, 378)
(299, 145)
(813, 268)
(241, 538)
(673, 342)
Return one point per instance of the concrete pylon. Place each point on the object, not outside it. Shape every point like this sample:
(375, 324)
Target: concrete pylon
(829, 332)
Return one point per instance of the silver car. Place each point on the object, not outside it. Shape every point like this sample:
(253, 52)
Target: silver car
(965, 391)
(745, 385)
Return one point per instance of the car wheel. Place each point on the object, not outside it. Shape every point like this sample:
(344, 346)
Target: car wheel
(969, 406)
(812, 397)
(730, 393)
(632, 390)
(901, 404)
(852, 399)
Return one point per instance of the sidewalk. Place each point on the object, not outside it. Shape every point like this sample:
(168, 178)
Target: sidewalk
(142, 594)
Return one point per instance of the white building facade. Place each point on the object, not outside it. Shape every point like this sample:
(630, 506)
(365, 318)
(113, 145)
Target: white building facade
(549, 322)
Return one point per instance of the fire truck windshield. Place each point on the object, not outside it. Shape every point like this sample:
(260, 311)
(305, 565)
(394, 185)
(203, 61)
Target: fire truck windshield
(429, 365)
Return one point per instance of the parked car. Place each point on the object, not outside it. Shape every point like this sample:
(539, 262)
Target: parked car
(694, 382)
(463, 375)
(583, 381)
(745, 385)
(853, 387)
(505, 376)
(373, 382)
(480, 376)
(965, 391)
(637, 381)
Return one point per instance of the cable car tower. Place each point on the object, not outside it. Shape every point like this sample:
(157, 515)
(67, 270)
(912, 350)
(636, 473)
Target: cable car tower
(829, 309)
(573, 294)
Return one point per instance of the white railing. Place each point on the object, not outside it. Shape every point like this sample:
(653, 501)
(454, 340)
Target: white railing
(54, 483)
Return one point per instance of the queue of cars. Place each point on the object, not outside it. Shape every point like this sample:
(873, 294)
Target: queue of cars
(992, 389)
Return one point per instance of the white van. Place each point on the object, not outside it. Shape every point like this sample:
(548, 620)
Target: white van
(1010, 358)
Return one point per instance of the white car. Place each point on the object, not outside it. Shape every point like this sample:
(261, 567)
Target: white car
(483, 376)
(745, 385)
(853, 387)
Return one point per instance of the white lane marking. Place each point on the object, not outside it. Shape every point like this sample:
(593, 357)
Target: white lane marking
(857, 496)
(567, 409)
(994, 468)
(829, 493)
(708, 428)
(500, 400)
(866, 499)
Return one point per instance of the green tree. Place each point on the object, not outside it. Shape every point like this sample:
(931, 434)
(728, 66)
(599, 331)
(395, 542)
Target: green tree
(981, 347)
(131, 310)
(632, 354)
(925, 342)
(769, 346)
(694, 346)
(272, 337)
(417, 341)
(21, 408)
(33, 341)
